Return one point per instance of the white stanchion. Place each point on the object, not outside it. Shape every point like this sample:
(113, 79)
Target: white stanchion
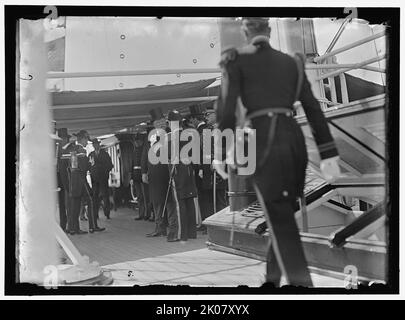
(36, 177)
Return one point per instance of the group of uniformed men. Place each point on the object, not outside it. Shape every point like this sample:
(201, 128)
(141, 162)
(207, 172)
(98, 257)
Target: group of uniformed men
(178, 195)
(73, 164)
(268, 83)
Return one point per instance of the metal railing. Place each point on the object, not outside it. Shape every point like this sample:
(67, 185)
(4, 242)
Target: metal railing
(326, 63)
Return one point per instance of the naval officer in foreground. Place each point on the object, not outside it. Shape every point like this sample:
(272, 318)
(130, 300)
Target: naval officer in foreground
(268, 82)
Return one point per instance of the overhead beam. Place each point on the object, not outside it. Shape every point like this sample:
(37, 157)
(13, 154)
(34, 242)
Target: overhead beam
(131, 103)
(125, 73)
(128, 73)
(86, 120)
(378, 99)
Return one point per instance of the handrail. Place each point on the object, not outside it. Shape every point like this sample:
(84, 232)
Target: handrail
(338, 66)
(356, 66)
(339, 238)
(376, 69)
(349, 46)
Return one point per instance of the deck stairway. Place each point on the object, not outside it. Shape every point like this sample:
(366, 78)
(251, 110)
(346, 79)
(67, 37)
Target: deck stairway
(336, 232)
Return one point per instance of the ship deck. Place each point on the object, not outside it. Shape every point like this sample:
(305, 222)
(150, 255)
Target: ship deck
(134, 259)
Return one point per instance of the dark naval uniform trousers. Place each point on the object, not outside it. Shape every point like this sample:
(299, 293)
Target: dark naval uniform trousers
(205, 182)
(63, 200)
(80, 189)
(63, 184)
(99, 181)
(158, 178)
(185, 191)
(265, 78)
(206, 192)
(141, 188)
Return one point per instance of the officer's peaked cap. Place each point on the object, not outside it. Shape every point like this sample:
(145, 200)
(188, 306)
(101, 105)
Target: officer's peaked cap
(63, 133)
(95, 141)
(255, 24)
(197, 110)
(156, 114)
(174, 115)
(82, 134)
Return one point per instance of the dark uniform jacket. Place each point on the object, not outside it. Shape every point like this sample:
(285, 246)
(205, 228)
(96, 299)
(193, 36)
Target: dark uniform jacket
(78, 176)
(206, 182)
(101, 170)
(183, 174)
(102, 165)
(63, 165)
(136, 164)
(266, 78)
(158, 176)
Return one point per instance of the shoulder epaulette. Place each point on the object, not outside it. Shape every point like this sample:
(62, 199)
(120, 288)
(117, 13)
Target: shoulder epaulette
(228, 55)
(231, 54)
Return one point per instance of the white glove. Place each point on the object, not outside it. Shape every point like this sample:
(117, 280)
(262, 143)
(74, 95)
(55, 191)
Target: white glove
(145, 178)
(330, 169)
(153, 139)
(219, 166)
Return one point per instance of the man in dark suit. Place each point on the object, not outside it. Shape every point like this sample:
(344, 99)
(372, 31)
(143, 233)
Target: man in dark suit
(147, 127)
(79, 188)
(266, 81)
(204, 173)
(101, 166)
(157, 176)
(184, 186)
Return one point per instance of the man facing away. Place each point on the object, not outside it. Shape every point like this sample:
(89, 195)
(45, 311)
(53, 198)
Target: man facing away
(266, 81)
(101, 166)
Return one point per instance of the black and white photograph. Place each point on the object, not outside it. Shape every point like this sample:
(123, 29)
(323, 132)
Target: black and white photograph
(179, 150)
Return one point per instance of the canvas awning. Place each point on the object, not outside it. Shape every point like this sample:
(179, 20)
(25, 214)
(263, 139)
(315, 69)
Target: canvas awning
(103, 112)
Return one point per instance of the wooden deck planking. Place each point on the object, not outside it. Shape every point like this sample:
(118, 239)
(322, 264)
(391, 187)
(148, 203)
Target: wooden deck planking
(135, 259)
(125, 240)
(199, 268)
